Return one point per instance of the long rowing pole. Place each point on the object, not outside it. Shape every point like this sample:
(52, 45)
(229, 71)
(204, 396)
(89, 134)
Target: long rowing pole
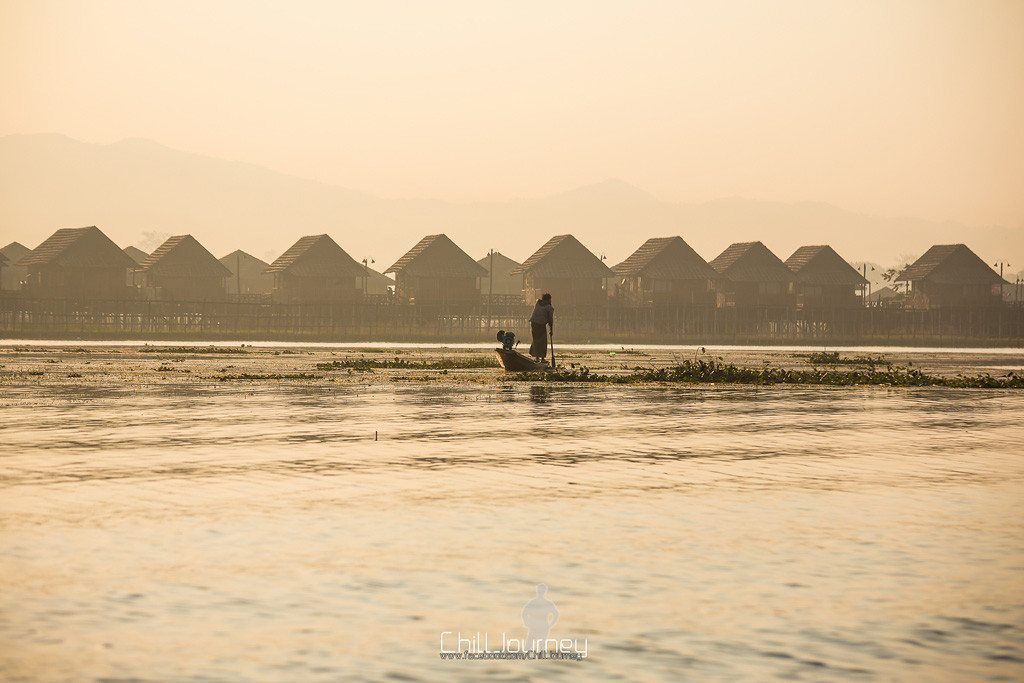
(552, 347)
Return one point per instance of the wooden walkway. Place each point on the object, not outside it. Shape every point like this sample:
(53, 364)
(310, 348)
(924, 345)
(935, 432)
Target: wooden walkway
(381, 321)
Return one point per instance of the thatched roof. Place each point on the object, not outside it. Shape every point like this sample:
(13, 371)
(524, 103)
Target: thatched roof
(249, 265)
(666, 258)
(3, 260)
(502, 263)
(950, 264)
(183, 256)
(317, 256)
(437, 256)
(821, 265)
(380, 279)
(15, 251)
(243, 257)
(751, 262)
(564, 256)
(78, 247)
(136, 255)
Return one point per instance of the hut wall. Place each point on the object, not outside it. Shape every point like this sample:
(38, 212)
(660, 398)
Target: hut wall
(11, 276)
(251, 284)
(65, 282)
(438, 290)
(645, 290)
(209, 288)
(307, 289)
(504, 283)
(564, 290)
(735, 293)
(827, 296)
(926, 294)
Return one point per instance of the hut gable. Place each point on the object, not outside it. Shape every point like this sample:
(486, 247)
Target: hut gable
(136, 255)
(821, 265)
(182, 256)
(248, 264)
(78, 248)
(248, 274)
(503, 282)
(436, 256)
(563, 256)
(950, 264)
(502, 263)
(666, 258)
(316, 256)
(15, 251)
(12, 275)
(751, 262)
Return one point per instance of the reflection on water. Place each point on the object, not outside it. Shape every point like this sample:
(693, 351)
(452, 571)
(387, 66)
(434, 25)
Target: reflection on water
(225, 532)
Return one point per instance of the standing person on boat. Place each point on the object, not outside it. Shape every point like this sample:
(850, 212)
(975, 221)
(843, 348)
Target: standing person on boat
(542, 318)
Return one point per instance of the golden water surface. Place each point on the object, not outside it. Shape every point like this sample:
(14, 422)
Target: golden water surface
(236, 531)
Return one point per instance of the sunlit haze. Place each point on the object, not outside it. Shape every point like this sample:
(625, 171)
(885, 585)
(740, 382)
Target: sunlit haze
(907, 108)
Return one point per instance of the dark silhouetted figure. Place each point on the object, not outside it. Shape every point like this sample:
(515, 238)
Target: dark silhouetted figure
(542, 318)
(507, 339)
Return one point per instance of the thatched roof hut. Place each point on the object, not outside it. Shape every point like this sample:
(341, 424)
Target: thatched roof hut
(13, 274)
(666, 270)
(436, 270)
(77, 263)
(503, 282)
(567, 270)
(951, 275)
(248, 274)
(750, 274)
(133, 277)
(316, 269)
(824, 279)
(182, 269)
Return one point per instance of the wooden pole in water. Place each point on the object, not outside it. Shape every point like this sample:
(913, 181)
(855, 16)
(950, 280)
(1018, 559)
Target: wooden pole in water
(490, 288)
(552, 343)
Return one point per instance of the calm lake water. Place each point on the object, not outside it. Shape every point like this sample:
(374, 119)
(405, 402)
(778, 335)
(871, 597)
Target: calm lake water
(231, 532)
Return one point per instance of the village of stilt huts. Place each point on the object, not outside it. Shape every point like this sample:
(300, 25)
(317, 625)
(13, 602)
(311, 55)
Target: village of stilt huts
(79, 284)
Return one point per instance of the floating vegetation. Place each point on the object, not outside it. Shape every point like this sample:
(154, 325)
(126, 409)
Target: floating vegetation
(717, 372)
(833, 358)
(229, 350)
(471, 363)
(246, 377)
(627, 352)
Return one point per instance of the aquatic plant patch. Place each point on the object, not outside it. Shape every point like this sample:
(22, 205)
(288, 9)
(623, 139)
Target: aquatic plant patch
(716, 372)
(471, 363)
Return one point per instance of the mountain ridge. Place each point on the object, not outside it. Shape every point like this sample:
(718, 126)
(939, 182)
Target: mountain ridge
(136, 186)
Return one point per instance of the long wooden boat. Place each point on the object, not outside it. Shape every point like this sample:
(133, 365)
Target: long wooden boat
(513, 361)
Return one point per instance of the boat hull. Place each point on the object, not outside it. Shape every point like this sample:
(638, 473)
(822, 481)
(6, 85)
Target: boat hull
(513, 361)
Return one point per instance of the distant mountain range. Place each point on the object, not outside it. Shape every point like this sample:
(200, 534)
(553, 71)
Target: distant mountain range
(138, 191)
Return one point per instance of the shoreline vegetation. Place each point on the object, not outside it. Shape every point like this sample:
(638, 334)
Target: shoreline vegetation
(133, 366)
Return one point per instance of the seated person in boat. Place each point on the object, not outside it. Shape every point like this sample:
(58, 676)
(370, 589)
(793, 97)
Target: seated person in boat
(507, 339)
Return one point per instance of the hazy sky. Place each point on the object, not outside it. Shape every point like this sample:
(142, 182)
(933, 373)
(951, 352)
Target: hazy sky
(890, 107)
